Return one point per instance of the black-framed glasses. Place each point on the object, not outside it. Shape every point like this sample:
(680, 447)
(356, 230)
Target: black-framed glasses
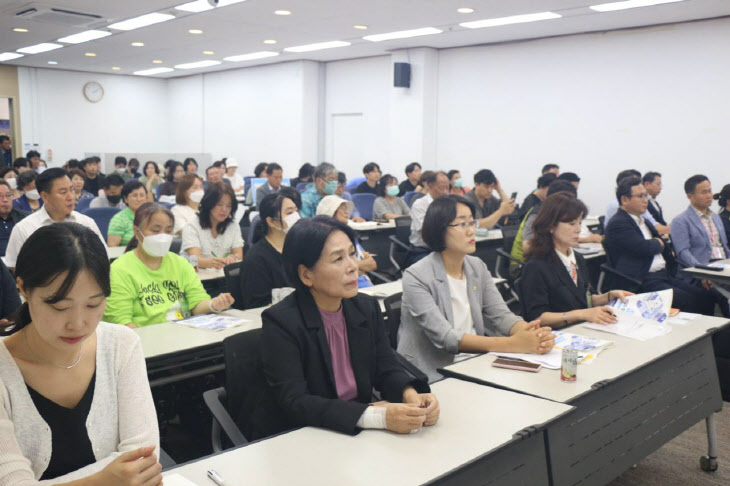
(466, 224)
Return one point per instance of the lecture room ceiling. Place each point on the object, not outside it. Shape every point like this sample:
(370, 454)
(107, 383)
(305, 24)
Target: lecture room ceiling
(241, 29)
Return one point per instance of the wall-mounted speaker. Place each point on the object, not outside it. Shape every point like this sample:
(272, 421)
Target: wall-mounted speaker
(402, 75)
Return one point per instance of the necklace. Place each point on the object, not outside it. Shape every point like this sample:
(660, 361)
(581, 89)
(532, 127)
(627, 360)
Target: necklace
(78, 359)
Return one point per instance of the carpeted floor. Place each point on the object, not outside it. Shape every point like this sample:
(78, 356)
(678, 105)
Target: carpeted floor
(678, 462)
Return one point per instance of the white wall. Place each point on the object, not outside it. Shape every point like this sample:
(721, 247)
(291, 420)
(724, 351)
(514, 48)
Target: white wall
(132, 116)
(654, 99)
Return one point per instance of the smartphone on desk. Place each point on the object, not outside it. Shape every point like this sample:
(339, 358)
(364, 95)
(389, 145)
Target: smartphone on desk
(516, 364)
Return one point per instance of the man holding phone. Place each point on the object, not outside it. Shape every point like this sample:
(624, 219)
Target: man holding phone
(490, 208)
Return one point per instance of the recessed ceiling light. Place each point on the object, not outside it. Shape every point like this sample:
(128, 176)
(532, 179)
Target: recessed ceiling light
(403, 34)
(317, 46)
(251, 57)
(203, 5)
(610, 7)
(465, 10)
(138, 44)
(53, 62)
(360, 27)
(20, 29)
(157, 61)
(86, 36)
(195, 31)
(208, 53)
(44, 47)
(90, 54)
(116, 68)
(7, 56)
(269, 41)
(282, 12)
(149, 72)
(199, 64)
(514, 19)
(142, 21)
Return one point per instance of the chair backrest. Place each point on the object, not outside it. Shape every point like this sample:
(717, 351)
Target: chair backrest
(247, 183)
(408, 196)
(302, 186)
(353, 183)
(601, 224)
(246, 386)
(233, 280)
(254, 222)
(509, 233)
(176, 245)
(158, 189)
(167, 205)
(83, 204)
(403, 229)
(101, 217)
(392, 312)
(364, 204)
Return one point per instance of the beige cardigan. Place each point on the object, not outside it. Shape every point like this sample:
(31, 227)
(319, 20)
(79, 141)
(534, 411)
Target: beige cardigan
(122, 415)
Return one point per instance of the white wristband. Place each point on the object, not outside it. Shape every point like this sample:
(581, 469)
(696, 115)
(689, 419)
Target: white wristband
(213, 308)
(372, 418)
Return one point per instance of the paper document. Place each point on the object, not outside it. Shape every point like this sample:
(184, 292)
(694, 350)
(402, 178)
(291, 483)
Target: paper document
(586, 251)
(177, 480)
(641, 316)
(588, 348)
(213, 322)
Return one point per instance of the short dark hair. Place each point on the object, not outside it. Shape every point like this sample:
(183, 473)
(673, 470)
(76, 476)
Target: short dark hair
(208, 169)
(25, 178)
(3, 138)
(44, 182)
(441, 212)
(20, 162)
(214, 194)
(370, 167)
(452, 173)
(75, 248)
(558, 208)
(89, 160)
(305, 171)
(73, 164)
(133, 162)
(485, 176)
(545, 180)
(120, 160)
(304, 244)
(292, 194)
(627, 173)
(32, 153)
(113, 180)
(412, 166)
(5, 170)
(5, 183)
(272, 167)
(384, 182)
(548, 167)
(157, 168)
(219, 163)
(624, 187)
(129, 187)
(260, 167)
(650, 176)
(189, 161)
(341, 178)
(691, 184)
(561, 186)
(569, 176)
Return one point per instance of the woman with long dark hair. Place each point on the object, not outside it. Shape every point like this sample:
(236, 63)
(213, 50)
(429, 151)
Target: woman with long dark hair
(75, 404)
(556, 286)
(175, 173)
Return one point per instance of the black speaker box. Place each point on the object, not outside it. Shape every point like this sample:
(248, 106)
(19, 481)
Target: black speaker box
(402, 75)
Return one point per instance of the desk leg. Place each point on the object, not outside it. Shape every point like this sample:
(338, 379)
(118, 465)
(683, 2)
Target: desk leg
(708, 463)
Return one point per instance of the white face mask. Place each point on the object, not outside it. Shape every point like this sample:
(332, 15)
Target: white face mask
(13, 183)
(197, 196)
(291, 220)
(33, 194)
(121, 170)
(40, 169)
(157, 245)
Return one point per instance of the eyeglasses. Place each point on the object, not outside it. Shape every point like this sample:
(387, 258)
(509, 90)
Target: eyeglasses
(466, 224)
(6, 196)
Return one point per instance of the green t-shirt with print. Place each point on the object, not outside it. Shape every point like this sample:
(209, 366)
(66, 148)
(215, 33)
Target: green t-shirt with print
(122, 225)
(144, 296)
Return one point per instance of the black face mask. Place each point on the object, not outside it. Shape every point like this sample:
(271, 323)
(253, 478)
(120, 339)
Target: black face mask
(114, 200)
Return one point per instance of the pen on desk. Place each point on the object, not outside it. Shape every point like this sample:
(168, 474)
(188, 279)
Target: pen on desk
(215, 477)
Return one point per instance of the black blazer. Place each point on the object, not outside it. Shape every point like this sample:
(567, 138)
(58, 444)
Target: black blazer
(546, 286)
(298, 366)
(657, 215)
(629, 252)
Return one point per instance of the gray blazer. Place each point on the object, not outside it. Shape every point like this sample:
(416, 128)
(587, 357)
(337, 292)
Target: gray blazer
(691, 241)
(263, 191)
(426, 336)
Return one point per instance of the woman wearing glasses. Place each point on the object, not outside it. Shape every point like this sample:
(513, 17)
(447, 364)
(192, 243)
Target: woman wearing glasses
(450, 303)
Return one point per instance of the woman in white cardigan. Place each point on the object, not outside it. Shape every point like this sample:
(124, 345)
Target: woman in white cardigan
(75, 404)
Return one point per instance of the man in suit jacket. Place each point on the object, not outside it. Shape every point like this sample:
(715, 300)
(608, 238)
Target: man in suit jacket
(652, 182)
(698, 233)
(6, 155)
(274, 174)
(636, 249)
